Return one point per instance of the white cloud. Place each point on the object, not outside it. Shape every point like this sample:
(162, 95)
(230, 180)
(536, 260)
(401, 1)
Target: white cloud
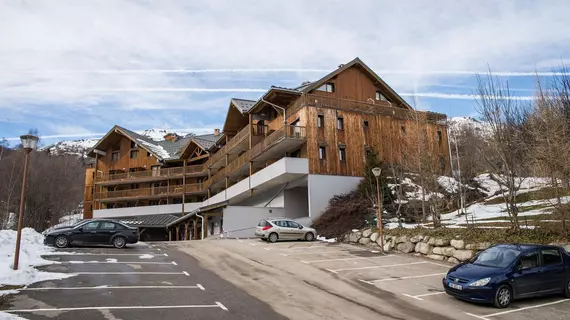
(88, 53)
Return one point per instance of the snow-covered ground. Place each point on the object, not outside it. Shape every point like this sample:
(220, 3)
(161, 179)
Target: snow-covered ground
(31, 250)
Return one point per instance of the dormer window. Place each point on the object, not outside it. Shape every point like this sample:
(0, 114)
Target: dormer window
(380, 96)
(327, 87)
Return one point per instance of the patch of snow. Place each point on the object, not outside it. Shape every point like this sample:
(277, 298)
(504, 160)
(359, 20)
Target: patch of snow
(146, 256)
(9, 316)
(449, 184)
(158, 150)
(355, 230)
(112, 260)
(323, 239)
(31, 250)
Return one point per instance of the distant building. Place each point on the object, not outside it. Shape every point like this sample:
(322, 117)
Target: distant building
(285, 155)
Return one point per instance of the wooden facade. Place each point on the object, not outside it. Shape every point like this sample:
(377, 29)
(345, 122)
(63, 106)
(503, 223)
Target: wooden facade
(332, 122)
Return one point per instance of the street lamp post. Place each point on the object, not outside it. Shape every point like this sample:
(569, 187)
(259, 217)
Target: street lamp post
(29, 143)
(377, 171)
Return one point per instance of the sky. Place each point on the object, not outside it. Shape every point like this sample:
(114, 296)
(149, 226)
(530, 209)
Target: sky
(73, 69)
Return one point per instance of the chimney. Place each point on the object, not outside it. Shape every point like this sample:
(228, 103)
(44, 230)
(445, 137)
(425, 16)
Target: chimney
(171, 137)
(216, 132)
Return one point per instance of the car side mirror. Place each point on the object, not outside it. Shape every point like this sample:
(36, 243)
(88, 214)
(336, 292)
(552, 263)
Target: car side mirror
(300, 227)
(80, 229)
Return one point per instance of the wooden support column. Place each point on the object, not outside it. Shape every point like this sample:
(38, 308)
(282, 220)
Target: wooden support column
(186, 225)
(195, 228)
(227, 173)
(169, 234)
(205, 226)
(209, 177)
(183, 187)
(178, 232)
(250, 146)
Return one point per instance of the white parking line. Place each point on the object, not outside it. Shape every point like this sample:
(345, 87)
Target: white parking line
(216, 305)
(102, 273)
(186, 273)
(376, 267)
(319, 252)
(403, 278)
(515, 310)
(201, 287)
(174, 263)
(198, 286)
(344, 259)
(219, 304)
(419, 296)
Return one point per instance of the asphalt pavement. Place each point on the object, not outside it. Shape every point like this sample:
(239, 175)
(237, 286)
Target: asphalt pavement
(139, 282)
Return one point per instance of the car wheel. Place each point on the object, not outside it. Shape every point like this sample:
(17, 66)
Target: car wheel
(273, 237)
(61, 241)
(503, 297)
(119, 242)
(309, 236)
(567, 290)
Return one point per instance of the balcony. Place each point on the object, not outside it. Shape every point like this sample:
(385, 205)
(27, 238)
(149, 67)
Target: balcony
(150, 193)
(274, 146)
(150, 175)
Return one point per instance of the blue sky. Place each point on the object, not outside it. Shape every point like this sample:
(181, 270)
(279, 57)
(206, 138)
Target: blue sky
(73, 69)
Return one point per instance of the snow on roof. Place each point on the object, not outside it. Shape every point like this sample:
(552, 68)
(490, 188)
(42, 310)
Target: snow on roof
(155, 148)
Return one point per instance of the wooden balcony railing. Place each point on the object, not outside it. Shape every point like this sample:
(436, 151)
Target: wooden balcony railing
(240, 161)
(156, 191)
(285, 132)
(165, 172)
(230, 145)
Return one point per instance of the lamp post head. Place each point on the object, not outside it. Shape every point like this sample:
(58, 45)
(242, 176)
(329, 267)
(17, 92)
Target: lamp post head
(29, 142)
(376, 172)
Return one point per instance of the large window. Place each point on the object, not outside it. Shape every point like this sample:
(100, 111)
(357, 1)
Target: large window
(320, 121)
(551, 257)
(341, 153)
(380, 96)
(439, 137)
(340, 123)
(327, 87)
(115, 156)
(134, 154)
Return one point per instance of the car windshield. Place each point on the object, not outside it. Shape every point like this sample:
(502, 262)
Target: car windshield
(498, 257)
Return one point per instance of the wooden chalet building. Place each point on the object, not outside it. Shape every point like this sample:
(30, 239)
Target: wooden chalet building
(285, 155)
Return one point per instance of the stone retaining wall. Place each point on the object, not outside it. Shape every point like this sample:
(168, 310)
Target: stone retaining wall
(442, 249)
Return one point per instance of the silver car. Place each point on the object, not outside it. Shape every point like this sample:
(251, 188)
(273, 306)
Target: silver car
(283, 229)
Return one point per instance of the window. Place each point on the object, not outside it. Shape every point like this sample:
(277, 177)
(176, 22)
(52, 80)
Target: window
(134, 154)
(380, 96)
(442, 163)
(147, 154)
(327, 87)
(322, 153)
(341, 153)
(320, 121)
(107, 226)
(135, 186)
(365, 123)
(133, 145)
(293, 224)
(340, 123)
(153, 203)
(115, 156)
(439, 137)
(91, 225)
(281, 223)
(528, 261)
(403, 129)
(550, 257)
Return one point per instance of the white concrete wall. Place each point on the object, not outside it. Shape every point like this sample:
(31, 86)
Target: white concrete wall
(240, 221)
(323, 187)
(141, 211)
(263, 198)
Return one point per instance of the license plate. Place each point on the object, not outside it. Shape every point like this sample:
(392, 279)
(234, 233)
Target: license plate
(455, 286)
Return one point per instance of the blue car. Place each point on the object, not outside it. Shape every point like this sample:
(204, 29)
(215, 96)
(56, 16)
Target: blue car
(507, 272)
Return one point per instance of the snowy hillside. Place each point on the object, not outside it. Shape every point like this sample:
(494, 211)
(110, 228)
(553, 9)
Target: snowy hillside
(456, 124)
(81, 146)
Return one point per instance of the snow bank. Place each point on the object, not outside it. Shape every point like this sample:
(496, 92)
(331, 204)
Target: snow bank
(31, 250)
(323, 239)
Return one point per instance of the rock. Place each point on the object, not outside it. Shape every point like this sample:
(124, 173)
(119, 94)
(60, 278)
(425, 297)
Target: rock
(354, 236)
(364, 241)
(374, 237)
(431, 241)
(406, 247)
(448, 251)
(478, 246)
(422, 248)
(367, 233)
(457, 244)
(437, 250)
(441, 242)
(388, 246)
(416, 239)
(453, 260)
(435, 257)
(463, 255)
(426, 239)
(402, 239)
(372, 245)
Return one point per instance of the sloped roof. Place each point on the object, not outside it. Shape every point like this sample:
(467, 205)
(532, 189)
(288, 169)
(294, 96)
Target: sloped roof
(165, 150)
(243, 105)
(206, 141)
(148, 221)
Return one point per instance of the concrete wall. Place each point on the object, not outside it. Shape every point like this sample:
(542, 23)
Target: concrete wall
(260, 199)
(141, 211)
(296, 202)
(240, 221)
(323, 187)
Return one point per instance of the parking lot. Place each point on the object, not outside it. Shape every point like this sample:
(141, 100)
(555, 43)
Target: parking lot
(139, 282)
(413, 279)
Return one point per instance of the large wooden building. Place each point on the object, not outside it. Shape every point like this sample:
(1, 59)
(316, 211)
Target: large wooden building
(285, 154)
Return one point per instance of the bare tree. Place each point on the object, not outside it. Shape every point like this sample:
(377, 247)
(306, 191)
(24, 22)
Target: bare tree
(506, 153)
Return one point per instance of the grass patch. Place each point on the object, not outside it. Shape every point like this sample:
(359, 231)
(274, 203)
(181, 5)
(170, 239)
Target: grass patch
(474, 235)
(541, 194)
(4, 299)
